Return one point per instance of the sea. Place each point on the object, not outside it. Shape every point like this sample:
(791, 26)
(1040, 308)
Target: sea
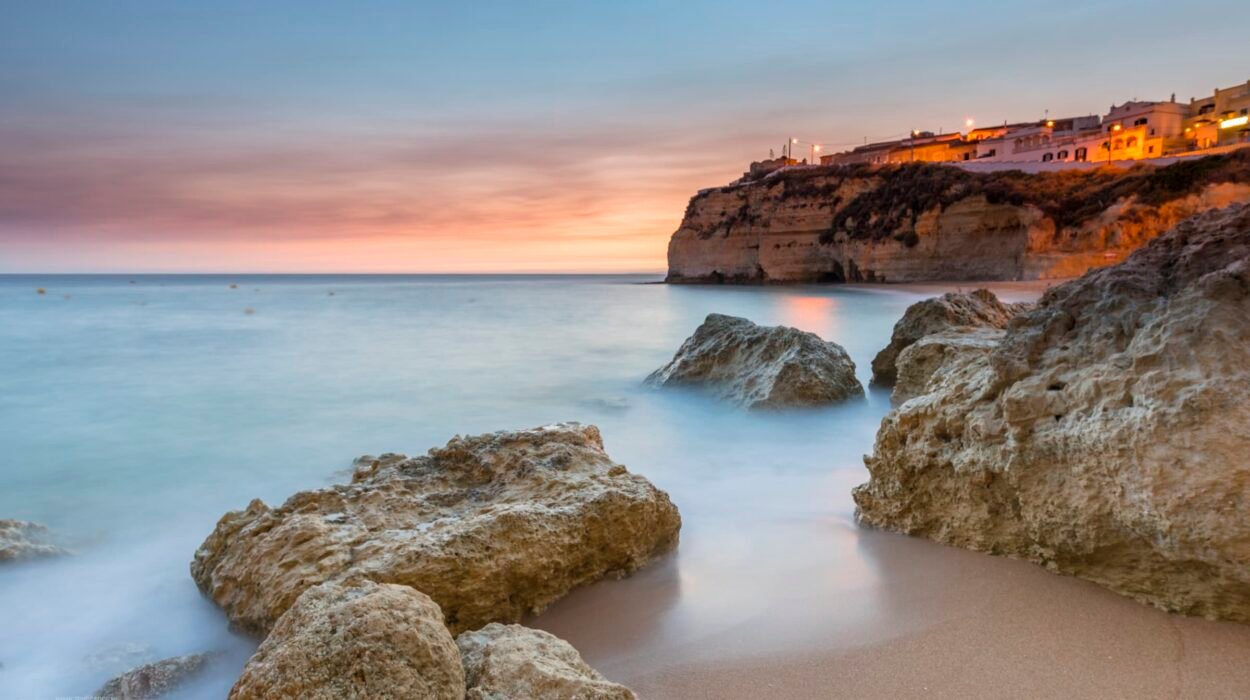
(135, 410)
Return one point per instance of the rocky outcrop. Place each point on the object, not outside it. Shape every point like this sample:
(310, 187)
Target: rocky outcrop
(510, 661)
(1106, 434)
(156, 679)
(921, 222)
(924, 359)
(950, 312)
(761, 367)
(491, 527)
(20, 540)
(356, 639)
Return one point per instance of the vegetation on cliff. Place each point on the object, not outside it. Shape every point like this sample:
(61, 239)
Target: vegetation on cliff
(1069, 198)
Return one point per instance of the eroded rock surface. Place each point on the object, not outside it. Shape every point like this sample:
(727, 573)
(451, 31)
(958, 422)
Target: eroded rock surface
(1106, 436)
(21, 540)
(761, 366)
(356, 639)
(502, 662)
(156, 679)
(491, 527)
(949, 312)
(920, 361)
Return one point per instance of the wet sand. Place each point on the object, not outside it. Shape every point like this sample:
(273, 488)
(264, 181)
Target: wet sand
(919, 619)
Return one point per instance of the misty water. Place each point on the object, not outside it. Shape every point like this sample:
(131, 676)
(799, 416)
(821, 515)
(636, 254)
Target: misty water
(135, 411)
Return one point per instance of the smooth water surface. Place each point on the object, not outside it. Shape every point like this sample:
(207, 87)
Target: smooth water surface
(135, 411)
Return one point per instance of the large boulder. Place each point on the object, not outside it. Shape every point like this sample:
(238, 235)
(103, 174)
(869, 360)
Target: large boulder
(953, 311)
(20, 540)
(356, 639)
(1106, 436)
(760, 366)
(919, 362)
(502, 662)
(156, 679)
(491, 527)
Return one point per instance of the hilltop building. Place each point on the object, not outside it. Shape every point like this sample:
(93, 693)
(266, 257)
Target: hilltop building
(1134, 130)
(1220, 120)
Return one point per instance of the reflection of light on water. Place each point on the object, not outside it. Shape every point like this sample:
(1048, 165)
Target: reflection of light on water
(814, 314)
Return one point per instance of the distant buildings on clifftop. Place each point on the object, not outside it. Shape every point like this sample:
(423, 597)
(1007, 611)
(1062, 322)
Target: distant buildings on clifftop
(1131, 131)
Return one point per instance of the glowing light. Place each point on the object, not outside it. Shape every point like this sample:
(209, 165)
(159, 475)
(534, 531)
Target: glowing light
(1050, 122)
(817, 147)
(1116, 127)
(1235, 121)
(794, 140)
(969, 122)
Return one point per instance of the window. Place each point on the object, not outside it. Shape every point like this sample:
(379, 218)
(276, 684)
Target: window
(1063, 155)
(1150, 149)
(1047, 157)
(1132, 142)
(1141, 122)
(1119, 145)
(1081, 154)
(1206, 109)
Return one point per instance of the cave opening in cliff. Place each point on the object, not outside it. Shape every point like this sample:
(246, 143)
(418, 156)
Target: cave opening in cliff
(834, 275)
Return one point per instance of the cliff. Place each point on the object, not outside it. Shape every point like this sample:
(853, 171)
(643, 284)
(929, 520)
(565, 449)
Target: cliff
(925, 222)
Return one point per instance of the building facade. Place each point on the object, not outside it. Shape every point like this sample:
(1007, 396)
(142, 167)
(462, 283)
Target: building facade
(1134, 130)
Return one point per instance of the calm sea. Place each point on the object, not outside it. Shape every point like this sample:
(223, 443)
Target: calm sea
(136, 410)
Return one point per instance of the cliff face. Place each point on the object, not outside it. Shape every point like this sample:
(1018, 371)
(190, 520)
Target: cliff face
(926, 222)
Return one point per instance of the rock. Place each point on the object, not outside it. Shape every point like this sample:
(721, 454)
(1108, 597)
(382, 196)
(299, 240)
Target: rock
(510, 661)
(923, 359)
(1104, 437)
(491, 527)
(21, 540)
(761, 367)
(951, 311)
(155, 680)
(356, 639)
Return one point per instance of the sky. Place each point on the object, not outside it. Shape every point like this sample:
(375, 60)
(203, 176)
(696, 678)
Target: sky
(506, 136)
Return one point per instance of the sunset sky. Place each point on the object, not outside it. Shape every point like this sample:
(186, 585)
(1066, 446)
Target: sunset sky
(516, 136)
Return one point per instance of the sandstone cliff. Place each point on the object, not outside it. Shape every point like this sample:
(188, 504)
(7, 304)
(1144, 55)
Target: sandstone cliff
(930, 222)
(1105, 434)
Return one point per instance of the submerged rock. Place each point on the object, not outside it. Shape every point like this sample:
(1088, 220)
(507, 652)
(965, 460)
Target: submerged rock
(951, 311)
(510, 661)
(760, 366)
(20, 540)
(155, 679)
(491, 527)
(1106, 436)
(356, 639)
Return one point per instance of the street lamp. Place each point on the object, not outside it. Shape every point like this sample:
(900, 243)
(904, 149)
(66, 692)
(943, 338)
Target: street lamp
(793, 143)
(815, 150)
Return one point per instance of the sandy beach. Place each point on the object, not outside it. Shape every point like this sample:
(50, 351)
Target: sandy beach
(936, 622)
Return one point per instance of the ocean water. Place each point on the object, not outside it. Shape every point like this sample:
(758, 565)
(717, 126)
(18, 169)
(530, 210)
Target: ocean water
(135, 411)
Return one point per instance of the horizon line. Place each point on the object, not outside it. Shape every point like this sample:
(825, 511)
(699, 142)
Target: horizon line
(359, 274)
